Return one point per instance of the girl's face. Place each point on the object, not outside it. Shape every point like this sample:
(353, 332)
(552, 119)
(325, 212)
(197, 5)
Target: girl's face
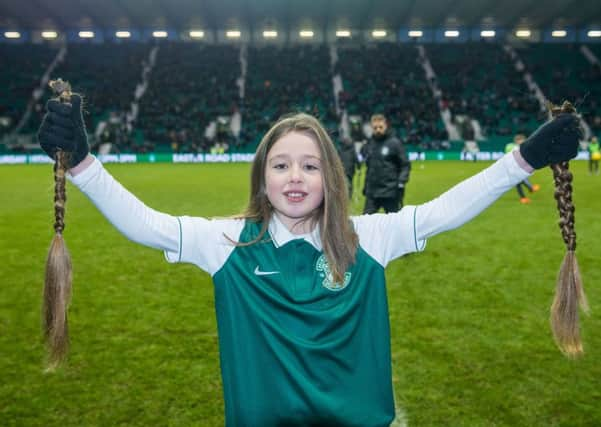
(293, 180)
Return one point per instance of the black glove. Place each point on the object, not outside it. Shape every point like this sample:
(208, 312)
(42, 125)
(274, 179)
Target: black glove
(554, 142)
(63, 129)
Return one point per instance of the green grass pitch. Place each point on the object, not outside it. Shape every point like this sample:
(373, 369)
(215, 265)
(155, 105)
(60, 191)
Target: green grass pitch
(471, 342)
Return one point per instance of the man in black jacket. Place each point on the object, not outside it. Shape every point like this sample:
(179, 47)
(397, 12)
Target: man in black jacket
(387, 169)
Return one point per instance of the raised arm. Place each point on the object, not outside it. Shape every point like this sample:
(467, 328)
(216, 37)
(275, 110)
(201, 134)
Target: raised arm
(63, 129)
(467, 199)
(554, 142)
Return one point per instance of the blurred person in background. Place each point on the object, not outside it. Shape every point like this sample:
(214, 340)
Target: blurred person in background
(532, 188)
(387, 171)
(350, 162)
(594, 156)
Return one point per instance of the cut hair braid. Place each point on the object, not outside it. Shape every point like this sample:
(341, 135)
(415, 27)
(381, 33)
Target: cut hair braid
(57, 286)
(57, 283)
(569, 293)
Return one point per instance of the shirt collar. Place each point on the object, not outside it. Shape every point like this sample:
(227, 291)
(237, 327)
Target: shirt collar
(280, 235)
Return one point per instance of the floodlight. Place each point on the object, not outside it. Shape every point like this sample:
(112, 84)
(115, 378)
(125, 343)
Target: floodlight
(594, 33)
(234, 34)
(49, 34)
(12, 34)
(306, 34)
(86, 34)
(416, 33)
(343, 33)
(159, 34)
(197, 34)
(487, 33)
(451, 33)
(123, 34)
(523, 33)
(270, 34)
(378, 33)
(559, 33)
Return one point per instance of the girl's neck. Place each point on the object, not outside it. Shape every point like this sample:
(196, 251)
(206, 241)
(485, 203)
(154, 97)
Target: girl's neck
(297, 226)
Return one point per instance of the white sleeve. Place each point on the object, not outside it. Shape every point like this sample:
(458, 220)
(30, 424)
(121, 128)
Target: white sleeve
(127, 213)
(183, 239)
(389, 236)
(467, 199)
(206, 242)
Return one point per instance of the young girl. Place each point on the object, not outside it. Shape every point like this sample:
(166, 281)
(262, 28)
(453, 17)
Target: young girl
(300, 290)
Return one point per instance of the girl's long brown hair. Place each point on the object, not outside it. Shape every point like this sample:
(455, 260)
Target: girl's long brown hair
(569, 292)
(57, 283)
(337, 234)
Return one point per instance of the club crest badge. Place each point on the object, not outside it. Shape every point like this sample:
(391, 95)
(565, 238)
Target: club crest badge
(323, 269)
(385, 151)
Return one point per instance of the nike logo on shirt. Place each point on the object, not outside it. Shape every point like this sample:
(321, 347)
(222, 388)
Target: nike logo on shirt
(264, 273)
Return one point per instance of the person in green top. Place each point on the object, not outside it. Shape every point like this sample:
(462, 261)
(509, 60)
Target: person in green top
(300, 287)
(594, 156)
(532, 188)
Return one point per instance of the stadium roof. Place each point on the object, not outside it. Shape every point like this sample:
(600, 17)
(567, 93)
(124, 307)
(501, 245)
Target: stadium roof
(290, 14)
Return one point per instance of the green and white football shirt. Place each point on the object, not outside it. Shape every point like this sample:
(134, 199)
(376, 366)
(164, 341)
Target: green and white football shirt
(296, 348)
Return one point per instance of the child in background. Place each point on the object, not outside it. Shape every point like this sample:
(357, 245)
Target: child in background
(517, 140)
(594, 156)
(300, 293)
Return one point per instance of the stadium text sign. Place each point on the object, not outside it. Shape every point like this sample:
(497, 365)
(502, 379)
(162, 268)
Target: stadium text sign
(16, 159)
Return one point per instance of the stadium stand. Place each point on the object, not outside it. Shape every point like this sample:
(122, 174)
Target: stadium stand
(564, 73)
(479, 81)
(20, 74)
(591, 106)
(388, 78)
(189, 87)
(106, 74)
(281, 80)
